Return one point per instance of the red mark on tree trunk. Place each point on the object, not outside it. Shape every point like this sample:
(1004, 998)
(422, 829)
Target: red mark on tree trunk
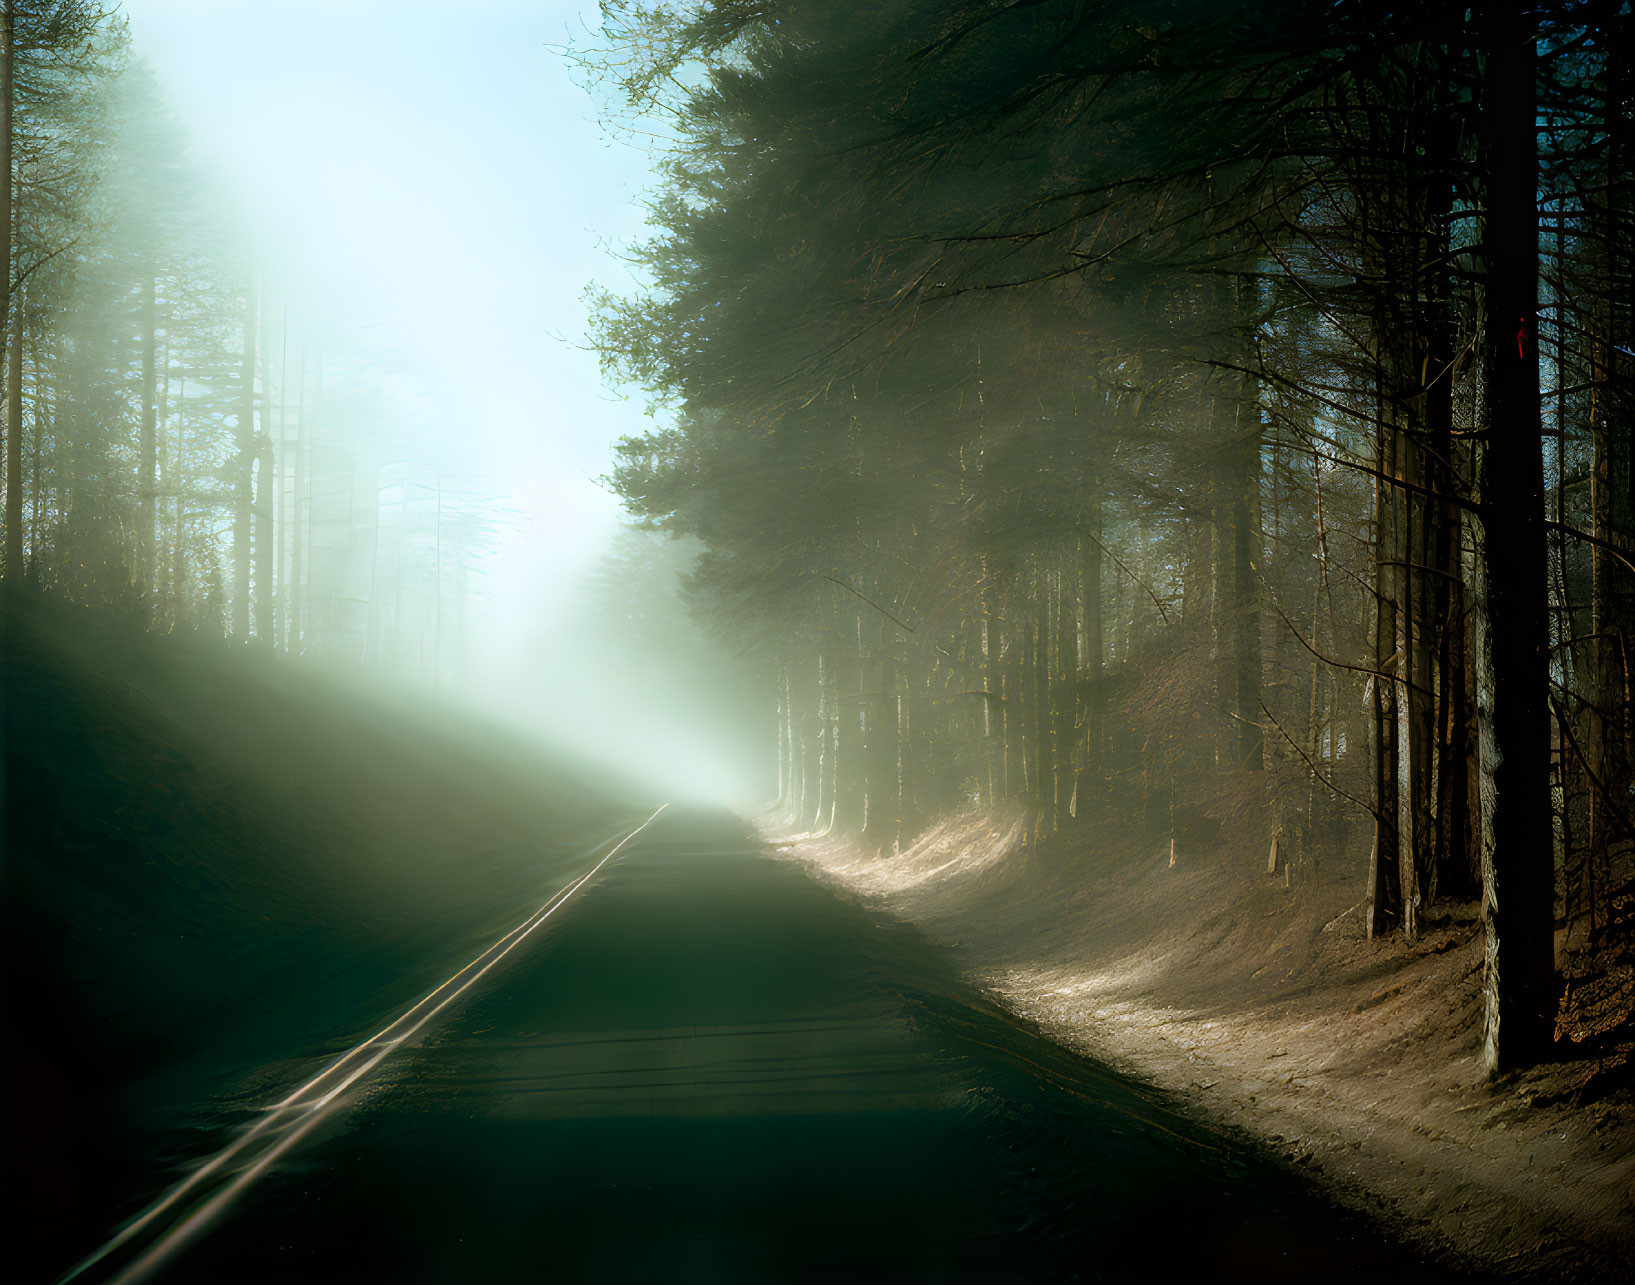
(1521, 339)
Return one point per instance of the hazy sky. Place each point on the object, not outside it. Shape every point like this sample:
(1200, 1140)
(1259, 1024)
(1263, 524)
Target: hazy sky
(448, 193)
(442, 187)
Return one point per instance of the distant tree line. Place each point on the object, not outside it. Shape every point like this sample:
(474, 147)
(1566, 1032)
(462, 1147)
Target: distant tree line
(1214, 418)
(173, 442)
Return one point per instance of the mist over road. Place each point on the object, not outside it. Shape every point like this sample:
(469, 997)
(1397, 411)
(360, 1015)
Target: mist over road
(708, 1068)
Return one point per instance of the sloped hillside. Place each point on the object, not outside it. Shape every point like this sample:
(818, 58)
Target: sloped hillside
(1258, 1003)
(219, 863)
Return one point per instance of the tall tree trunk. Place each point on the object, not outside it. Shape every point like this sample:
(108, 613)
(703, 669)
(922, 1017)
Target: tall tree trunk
(1044, 779)
(273, 479)
(824, 817)
(1420, 571)
(1607, 737)
(782, 688)
(1448, 868)
(1236, 486)
(243, 470)
(148, 445)
(1414, 665)
(314, 421)
(881, 809)
(175, 479)
(264, 546)
(1010, 708)
(1246, 613)
(1384, 901)
(298, 541)
(1517, 867)
(164, 481)
(1090, 784)
(14, 438)
(1065, 679)
(823, 755)
(40, 421)
(993, 745)
(850, 788)
(910, 720)
(12, 481)
(805, 742)
(1027, 714)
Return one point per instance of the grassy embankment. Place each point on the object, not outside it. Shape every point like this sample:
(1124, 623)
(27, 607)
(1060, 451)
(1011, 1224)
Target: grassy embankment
(219, 865)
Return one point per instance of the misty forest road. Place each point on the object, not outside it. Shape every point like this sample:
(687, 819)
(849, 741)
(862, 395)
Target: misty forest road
(708, 1068)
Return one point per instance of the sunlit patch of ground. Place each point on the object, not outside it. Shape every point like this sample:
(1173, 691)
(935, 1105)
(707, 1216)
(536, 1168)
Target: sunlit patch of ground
(961, 848)
(1262, 1006)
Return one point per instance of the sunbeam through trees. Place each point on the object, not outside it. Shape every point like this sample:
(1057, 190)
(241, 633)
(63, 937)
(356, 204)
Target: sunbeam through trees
(807, 640)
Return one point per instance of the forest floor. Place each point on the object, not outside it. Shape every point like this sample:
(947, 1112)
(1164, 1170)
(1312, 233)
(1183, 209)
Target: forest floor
(1260, 1005)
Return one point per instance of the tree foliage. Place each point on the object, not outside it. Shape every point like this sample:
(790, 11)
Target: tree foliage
(1105, 408)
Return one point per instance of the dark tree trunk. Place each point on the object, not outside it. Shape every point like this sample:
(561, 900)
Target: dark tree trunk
(1384, 899)
(1246, 614)
(1607, 744)
(1449, 872)
(1517, 868)
(1237, 516)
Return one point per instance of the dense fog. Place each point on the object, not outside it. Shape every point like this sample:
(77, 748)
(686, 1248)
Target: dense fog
(413, 207)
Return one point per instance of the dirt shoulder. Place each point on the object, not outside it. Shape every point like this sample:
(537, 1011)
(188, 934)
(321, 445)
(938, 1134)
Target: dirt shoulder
(1256, 1000)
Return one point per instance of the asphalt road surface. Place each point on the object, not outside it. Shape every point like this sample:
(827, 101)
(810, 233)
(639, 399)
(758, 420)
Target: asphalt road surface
(706, 1068)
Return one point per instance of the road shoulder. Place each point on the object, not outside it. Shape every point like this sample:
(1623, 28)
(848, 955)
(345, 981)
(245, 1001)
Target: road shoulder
(1269, 1012)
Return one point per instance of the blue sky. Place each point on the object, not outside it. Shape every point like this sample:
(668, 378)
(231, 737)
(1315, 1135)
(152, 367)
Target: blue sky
(447, 193)
(440, 191)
